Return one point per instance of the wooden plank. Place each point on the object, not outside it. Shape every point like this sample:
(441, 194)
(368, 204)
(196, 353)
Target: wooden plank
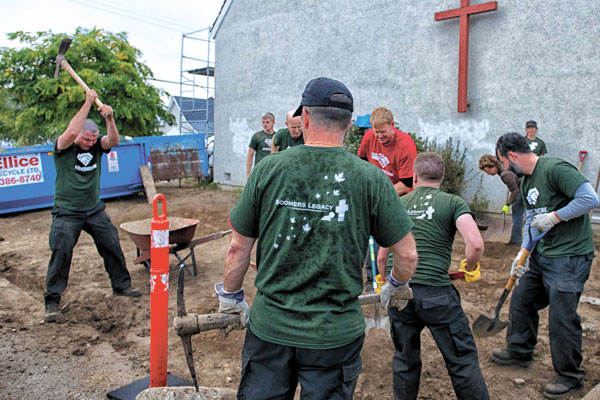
(149, 187)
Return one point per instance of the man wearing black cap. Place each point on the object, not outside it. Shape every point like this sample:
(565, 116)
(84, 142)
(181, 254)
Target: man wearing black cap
(537, 145)
(312, 209)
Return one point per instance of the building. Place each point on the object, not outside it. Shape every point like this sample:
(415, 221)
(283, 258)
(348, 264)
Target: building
(528, 59)
(197, 116)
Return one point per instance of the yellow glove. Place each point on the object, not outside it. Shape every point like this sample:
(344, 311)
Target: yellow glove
(380, 282)
(470, 276)
(506, 209)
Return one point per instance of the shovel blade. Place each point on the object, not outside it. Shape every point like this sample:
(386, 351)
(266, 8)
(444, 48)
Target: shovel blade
(485, 326)
(370, 324)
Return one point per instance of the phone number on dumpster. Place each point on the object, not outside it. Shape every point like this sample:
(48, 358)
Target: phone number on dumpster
(20, 169)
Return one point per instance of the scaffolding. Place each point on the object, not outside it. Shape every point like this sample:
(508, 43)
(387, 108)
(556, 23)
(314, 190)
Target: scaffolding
(196, 83)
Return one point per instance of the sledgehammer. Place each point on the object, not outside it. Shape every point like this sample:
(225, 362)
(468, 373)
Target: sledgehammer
(62, 62)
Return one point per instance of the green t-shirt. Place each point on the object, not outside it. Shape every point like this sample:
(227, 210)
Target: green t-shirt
(312, 210)
(537, 146)
(434, 214)
(77, 185)
(283, 139)
(261, 143)
(550, 187)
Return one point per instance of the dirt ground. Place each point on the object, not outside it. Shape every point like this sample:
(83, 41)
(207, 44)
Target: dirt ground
(101, 342)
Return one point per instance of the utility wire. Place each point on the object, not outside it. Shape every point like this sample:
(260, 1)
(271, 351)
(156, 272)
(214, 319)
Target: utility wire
(126, 16)
(140, 12)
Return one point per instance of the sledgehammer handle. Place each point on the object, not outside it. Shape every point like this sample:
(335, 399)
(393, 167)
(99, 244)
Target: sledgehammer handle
(67, 67)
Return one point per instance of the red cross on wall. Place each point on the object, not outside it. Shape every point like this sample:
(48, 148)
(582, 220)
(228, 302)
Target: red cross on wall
(463, 13)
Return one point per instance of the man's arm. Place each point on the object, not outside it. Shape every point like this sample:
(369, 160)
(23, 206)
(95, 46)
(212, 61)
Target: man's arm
(249, 161)
(405, 258)
(401, 188)
(112, 134)
(274, 149)
(467, 227)
(76, 125)
(382, 259)
(237, 261)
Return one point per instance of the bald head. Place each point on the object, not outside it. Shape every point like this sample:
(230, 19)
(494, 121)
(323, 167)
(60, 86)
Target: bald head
(294, 124)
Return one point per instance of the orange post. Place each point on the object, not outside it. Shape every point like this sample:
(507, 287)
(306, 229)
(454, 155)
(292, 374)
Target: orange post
(159, 294)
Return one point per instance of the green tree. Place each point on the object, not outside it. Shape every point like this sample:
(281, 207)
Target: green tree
(35, 107)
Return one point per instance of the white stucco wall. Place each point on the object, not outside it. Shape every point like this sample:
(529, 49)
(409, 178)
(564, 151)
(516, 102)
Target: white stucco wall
(530, 59)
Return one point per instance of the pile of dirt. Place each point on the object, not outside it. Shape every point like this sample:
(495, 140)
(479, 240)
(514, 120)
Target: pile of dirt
(101, 342)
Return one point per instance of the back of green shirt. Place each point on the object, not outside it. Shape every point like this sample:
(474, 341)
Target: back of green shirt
(434, 214)
(261, 143)
(550, 187)
(313, 210)
(77, 185)
(283, 139)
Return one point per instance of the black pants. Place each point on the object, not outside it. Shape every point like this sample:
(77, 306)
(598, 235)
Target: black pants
(557, 283)
(439, 309)
(272, 371)
(64, 233)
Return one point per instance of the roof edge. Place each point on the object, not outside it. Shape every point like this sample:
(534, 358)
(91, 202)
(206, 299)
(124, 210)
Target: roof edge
(220, 17)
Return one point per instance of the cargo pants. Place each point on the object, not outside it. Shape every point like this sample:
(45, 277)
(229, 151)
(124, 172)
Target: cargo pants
(64, 233)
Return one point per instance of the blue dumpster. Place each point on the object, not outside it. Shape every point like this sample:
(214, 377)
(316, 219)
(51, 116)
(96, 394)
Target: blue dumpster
(27, 174)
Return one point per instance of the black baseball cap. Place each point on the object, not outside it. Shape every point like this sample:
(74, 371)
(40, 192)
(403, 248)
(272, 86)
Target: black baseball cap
(530, 123)
(318, 92)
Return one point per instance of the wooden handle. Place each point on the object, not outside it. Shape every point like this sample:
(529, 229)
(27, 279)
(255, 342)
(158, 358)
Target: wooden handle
(67, 67)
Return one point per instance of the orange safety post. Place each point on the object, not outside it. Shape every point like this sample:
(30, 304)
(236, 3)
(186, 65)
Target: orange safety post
(159, 294)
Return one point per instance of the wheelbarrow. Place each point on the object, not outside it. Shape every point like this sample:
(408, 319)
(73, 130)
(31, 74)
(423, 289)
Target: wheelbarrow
(181, 232)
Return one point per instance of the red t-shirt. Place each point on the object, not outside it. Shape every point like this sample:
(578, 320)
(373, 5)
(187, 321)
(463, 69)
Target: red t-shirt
(396, 161)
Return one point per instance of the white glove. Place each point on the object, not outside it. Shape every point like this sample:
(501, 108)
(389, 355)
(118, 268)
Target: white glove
(395, 294)
(545, 222)
(233, 303)
(519, 271)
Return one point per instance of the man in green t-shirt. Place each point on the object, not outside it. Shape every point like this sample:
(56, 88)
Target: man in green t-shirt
(536, 145)
(260, 142)
(558, 200)
(312, 209)
(436, 303)
(290, 136)
(77, 206)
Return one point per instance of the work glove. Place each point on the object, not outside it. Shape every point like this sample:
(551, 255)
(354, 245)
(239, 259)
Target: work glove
(519, 271)
(233, 303)
(470, 276)
(545, 222)
(506, 209)
(395, 294)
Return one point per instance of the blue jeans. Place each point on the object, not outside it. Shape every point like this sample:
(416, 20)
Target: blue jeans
(272, 371)
(518, 209)
(557, 283)
(439, 309)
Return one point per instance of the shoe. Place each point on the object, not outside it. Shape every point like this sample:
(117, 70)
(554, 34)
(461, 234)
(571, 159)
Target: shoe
(503, 357)
(557, 390)
(50, 314)
(129, 292)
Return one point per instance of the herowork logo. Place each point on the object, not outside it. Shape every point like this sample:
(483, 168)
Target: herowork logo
(532, 196)
(85, 158)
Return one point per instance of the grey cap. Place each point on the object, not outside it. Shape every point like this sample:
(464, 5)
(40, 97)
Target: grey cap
(530, 123)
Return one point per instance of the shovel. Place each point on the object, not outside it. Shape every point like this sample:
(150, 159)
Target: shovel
(376, 321)
(485, 326)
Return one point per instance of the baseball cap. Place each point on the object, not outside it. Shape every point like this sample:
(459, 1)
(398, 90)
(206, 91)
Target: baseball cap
(318, 92)
(530, 123)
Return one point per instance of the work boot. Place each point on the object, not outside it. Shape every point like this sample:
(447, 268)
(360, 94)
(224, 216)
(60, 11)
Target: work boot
(129, 292)
(503, 357)
(51, 312)
(558, 390)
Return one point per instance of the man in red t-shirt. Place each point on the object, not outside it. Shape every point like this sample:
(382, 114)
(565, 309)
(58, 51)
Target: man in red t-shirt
(390, 149)
(393, 152)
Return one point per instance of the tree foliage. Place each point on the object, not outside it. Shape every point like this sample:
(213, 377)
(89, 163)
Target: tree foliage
(35, 107)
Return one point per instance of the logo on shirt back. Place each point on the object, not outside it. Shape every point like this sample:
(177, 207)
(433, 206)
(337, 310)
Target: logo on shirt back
(532, 196)
(381, 159)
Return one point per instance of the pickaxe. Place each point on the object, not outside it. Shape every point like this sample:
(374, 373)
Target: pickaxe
(62, 62)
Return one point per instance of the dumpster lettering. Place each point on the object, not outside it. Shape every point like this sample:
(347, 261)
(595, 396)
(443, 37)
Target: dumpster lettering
(20, 170)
